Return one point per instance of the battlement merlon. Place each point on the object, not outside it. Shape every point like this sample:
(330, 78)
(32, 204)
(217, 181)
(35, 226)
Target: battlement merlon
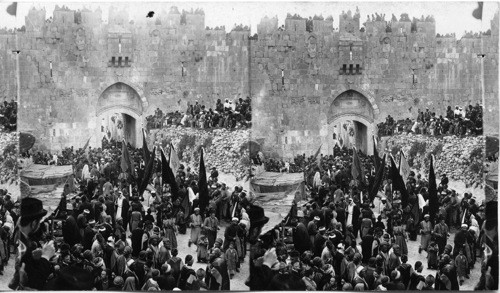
(37, 20)
(267, 25)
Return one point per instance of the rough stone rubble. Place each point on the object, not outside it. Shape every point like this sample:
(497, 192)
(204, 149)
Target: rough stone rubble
(226, 150)
(460, 158)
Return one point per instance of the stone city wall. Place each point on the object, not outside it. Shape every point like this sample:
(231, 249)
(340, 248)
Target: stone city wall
(293, 75)
(297, 74)
(169, 62)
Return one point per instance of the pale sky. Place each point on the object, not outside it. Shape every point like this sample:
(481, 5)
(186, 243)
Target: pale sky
(451, 17)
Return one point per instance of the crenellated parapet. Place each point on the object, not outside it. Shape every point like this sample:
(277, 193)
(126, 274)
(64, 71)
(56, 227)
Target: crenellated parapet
(267, 26)
(91, 18)
(295, 24)
(349, 23)
(63, 15)
(35, 20)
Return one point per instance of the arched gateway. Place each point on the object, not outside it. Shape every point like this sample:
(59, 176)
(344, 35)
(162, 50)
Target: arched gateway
(351, 122)
(119, 112)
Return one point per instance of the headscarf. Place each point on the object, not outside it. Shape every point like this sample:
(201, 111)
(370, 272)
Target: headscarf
(129, 284)
(474, 226)
(85, 172)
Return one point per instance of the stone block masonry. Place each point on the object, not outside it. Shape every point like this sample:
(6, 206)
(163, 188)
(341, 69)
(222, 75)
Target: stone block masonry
(68, 63)
(293, 75)
(395, 71)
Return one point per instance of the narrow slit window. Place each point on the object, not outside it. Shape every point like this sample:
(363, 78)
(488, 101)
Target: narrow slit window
(126, 62)
(50, 64)
(119, 61)
(351, 67)
(357, 69)
(282, 77)
(344, 69)
(182, 69)
(113, 61)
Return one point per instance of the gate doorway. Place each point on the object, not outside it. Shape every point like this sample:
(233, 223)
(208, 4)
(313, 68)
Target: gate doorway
(351, 122)
(119, 126)
(119, 111)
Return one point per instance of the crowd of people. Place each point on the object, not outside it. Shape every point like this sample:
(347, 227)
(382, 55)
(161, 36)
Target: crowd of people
(340, 240)
(229, 115)
(8, 116)
(9, 214)
(335, 165)
(458, 122)
(114, 238)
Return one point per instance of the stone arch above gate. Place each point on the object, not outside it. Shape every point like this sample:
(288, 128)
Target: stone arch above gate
(120, 96)
(343, 88)
(352, 103)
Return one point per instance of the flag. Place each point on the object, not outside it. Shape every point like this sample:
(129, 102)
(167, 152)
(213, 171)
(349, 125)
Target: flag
(463, 217)
(202, 186)
(173, 159)
(85, 148)
(433, 196)
(378, 179)
(12, 9)
(356, 168)
(376, 158)
(478, 12)
(125, 162)
(404, 167)
(317, 157)
(291, 214)
(168, 176)
(398, 183)
(145, 149)
(86, 144)
(186, 205)
(148, 173)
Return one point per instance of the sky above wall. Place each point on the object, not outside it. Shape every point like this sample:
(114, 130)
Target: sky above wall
(451, 17)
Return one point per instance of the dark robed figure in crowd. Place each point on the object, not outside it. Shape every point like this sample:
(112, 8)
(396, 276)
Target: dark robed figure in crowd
(71, 231)
(301, 238)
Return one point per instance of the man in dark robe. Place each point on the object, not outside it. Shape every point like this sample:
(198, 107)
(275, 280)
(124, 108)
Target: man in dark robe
(341, 215)
(367, 245)
(187, 275)
(338, 258)
(369, 273)
(108, 251)
(415, 209)
(211, 225)
(405, 270)
(71, 232)
(110, 208)
(166, 281)
(319, 241)
(394, 258)
(460, 240)
(301, 239)
(416, 280)
(88, 235)
(312, 230)
(86, 205)
(231, 233)
(136, 238)
(217, 277)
